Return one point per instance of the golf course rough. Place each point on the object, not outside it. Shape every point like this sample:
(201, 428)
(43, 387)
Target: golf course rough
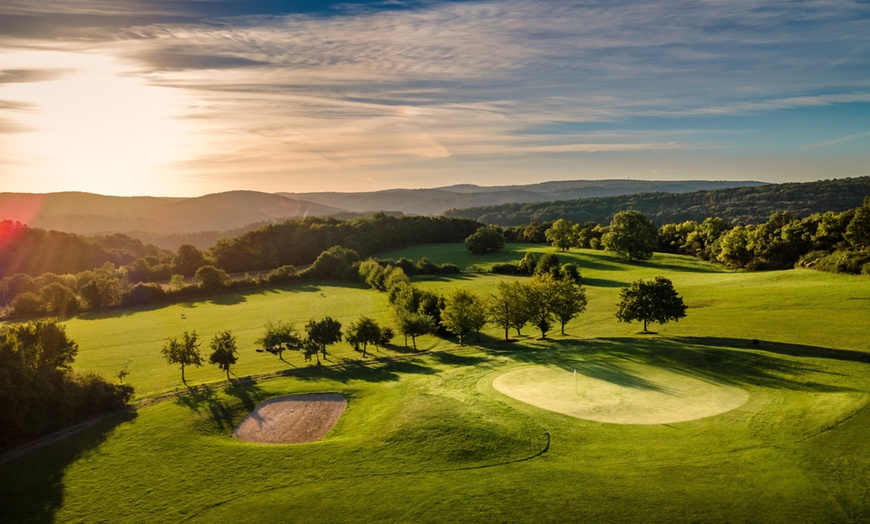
(293, 419)
(620, 392)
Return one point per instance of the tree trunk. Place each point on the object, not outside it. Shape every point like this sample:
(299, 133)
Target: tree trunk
(507, 333)
(228, 375)
(182, 375)
(413, 339)
(644, 326)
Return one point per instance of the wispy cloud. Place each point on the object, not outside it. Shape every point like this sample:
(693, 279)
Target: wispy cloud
(836, 141)
(366, 87)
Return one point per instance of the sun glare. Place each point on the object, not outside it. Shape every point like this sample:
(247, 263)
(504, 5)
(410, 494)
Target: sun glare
(96, 127)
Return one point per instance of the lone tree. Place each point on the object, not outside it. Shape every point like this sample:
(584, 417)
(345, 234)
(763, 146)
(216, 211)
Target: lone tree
(650, 301)
(486, 239)
(278, 337)
(321, 333)
(632, 236)
(185, 353)
(224, 352)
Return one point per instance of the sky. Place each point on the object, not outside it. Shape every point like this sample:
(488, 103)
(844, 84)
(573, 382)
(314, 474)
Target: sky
(190, 97)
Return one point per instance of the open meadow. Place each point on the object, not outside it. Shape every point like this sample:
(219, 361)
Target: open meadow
(693, 423)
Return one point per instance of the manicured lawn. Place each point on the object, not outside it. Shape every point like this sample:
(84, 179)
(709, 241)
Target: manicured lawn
(427, 438)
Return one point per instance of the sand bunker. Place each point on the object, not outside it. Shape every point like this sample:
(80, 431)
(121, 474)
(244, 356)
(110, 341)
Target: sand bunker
(623, 393)
(292, 419)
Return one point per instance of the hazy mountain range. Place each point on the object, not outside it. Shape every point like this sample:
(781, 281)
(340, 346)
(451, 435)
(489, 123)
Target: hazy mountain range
(169, 222)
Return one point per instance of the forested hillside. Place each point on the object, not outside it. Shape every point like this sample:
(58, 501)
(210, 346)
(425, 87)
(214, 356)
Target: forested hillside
(742, 205)
(36, 251)
(435, 201)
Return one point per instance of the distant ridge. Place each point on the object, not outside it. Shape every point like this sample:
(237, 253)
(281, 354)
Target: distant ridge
(438, 200)
(740, 205)
(87, 213)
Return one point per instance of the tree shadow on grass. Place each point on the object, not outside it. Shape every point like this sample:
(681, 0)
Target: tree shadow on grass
(794, 350)
(383, 369)
(453, 359)
(222, 414)
(603, 282)
(228, 299)
(33, 483)
(711, 360)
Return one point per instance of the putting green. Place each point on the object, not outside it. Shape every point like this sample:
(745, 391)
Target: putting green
(620, 392)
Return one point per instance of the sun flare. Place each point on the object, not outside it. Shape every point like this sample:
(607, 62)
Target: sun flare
(96, 127)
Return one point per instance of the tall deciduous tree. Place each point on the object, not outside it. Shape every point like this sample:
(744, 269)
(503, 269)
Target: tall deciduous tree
(321, 333)
(463, 312)
(561, 235)
(188, 260)
(632, 236)
(212, 278)
(487, 239)
(278, 337)
(184, 352)
(363, 331)
(224, 351)
(413, 324)
(568, 301)
(648, 301)
(858, 230)
(540, 293)
(508, 309)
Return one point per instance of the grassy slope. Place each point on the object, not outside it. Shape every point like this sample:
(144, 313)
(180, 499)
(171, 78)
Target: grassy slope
(429, 439)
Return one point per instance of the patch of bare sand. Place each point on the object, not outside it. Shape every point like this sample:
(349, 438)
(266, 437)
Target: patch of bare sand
(292, 419)
(629, 393)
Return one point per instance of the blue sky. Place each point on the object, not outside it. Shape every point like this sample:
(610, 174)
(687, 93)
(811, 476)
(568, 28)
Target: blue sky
(193, 97)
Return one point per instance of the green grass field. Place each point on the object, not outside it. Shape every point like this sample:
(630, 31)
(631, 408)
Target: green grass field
(427, 437)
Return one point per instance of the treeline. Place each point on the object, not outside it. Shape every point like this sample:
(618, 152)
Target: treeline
(830, 241)
(272, 252)
(299, 242)
(38, 391)
(36, 251)
(744, 205)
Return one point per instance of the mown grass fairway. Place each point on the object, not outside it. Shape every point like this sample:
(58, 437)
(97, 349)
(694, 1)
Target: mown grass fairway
(428, 438)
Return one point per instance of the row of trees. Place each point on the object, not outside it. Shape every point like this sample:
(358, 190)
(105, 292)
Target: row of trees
(541, 302)
(39, 392)
(277, 338)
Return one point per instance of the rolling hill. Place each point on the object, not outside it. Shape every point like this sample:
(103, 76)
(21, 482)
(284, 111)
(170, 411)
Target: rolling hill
(438, 200)
(747, 205)
(86, 213)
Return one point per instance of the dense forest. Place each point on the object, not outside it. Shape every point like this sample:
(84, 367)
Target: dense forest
(742, 205)
(36, 251)
(39, 392)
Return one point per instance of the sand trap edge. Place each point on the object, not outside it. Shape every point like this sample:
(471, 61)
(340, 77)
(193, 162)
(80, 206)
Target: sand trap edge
(292, 419)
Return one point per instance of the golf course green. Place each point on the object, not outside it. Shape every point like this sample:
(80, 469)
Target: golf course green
(752, 408)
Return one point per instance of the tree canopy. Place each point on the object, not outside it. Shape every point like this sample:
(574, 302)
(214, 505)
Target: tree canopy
(631, 236)
(487, 239)
(648, 301)
(184, 353)
(224, 352)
